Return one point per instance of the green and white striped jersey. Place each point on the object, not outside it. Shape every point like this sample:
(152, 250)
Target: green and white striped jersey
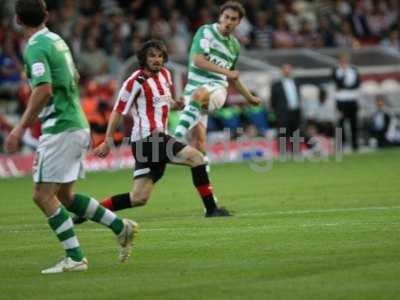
(48, 59)
(218, 49)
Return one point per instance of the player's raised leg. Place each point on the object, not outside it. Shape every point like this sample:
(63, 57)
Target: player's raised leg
(191, 114)
(61, 223)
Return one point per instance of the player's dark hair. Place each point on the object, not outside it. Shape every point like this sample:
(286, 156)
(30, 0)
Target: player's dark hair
(236, 6)
(157, 44)
(31, 13)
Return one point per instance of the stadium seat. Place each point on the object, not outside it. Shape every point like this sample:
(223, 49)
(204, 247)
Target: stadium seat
(309, 97)
(390, 86)
(309, 92)
(370, 87)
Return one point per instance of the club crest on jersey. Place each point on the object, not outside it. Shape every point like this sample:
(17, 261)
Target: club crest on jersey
(217, 46)
(205, 44)
(38, 69)
(161, 101)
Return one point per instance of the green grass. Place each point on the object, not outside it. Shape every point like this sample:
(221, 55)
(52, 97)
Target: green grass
(326, 230)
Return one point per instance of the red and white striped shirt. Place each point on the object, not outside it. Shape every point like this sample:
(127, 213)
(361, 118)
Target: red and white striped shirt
(149, 99)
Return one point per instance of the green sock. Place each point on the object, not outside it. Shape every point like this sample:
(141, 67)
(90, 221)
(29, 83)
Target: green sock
(87, 207)
(189, 117)
(62, 225)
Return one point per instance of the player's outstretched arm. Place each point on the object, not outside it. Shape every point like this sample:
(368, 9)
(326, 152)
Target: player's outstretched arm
(201, 62)
(38, 99)
(104, 148)
(244, 91)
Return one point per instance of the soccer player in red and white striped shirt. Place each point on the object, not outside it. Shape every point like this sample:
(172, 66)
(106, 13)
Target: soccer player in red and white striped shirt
(147, 94)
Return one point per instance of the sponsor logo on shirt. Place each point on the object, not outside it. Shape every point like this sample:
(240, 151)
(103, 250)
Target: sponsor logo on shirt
(125, 96)
(219, 62)
(192, 109)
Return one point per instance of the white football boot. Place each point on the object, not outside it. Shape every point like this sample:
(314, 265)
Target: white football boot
(125, 238)
(67, 264)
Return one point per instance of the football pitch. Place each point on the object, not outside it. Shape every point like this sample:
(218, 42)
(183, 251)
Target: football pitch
(328, 230)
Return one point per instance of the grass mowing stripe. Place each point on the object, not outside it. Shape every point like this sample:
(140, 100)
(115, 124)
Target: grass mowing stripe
(291, 212)
(226, 228)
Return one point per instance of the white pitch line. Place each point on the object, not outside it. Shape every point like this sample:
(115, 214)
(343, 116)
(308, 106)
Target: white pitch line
(233, 229)
(328, 210)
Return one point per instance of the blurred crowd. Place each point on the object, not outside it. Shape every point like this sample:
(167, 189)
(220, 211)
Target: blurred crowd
(102, 34)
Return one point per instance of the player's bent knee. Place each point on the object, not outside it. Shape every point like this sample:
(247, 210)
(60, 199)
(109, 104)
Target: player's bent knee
(140, 199)
(66, 199)
(38, 195)
(200, 95)
(42, 200)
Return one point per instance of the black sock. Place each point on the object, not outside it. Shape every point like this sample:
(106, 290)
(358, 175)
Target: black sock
(203, 186)
(117, 202)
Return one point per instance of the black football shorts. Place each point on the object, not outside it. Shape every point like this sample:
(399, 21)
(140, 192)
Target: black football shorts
(153, 153)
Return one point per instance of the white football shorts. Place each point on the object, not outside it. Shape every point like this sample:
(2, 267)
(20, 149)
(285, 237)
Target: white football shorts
(217, 99)
(59, 157)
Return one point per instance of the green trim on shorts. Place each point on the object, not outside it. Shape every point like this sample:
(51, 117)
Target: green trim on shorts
(185, 124)
(40, 168)
(188, 113)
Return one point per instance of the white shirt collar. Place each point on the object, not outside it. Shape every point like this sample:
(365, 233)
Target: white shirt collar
(215, 26)
(41, 31)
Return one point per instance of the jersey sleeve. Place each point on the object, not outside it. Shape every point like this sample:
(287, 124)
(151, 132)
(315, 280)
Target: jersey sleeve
(128, 94)
(168, 76)
(237, 53)
(201, 42)
(37, 66)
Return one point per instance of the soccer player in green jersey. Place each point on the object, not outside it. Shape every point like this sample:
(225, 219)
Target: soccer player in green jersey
(64, 140)
(212, 59)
